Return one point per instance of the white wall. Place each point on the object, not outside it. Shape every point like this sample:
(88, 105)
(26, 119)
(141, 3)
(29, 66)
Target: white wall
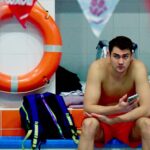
(130, 18)
(20, 51)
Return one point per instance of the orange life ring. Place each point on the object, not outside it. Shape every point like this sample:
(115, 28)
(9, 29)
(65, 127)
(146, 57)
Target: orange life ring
(51, 57)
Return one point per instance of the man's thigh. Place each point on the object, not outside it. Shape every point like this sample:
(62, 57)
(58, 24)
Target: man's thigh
(135, 133)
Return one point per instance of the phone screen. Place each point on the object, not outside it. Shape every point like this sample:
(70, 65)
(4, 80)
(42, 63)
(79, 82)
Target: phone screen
(132, 98)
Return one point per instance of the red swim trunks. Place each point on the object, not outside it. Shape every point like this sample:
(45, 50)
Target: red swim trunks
(120, 131)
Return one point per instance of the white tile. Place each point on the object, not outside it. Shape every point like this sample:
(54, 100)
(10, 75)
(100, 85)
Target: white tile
(126, 20)
(144, 20)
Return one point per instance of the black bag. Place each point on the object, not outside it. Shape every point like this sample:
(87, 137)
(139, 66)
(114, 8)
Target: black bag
(45, 116)
(66, 81)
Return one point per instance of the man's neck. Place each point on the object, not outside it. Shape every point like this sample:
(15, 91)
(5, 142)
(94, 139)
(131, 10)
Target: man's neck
(118, 75)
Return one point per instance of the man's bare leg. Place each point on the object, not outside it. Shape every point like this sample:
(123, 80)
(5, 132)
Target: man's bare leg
(90, 132)
(142, 129)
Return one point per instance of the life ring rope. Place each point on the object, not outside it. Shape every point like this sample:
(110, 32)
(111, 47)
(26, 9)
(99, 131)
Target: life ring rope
(14, 83)
(50, 48)
(30, 91)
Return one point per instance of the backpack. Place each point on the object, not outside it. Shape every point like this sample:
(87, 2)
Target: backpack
(45, 116)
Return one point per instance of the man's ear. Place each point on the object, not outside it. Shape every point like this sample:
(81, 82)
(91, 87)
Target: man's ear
(108, 53)
(132, 56)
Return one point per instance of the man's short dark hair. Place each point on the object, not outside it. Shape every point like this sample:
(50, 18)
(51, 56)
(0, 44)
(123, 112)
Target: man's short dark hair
(121, 42)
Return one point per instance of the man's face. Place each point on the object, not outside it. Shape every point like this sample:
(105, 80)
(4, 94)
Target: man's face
(120, 59)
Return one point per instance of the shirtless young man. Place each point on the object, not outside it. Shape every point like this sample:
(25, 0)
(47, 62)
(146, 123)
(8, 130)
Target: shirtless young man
(110, 81)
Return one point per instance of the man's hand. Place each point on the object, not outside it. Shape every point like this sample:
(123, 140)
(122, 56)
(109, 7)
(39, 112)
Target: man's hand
(87, 114)
(101, 118)
(105, 119)
(124, 106)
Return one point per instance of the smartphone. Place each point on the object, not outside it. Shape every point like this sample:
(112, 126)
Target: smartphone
(132, 98)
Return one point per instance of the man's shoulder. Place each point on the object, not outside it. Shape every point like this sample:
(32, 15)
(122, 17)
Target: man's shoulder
(137, 64)
(138, 67)
(100, 63)
(98, 67)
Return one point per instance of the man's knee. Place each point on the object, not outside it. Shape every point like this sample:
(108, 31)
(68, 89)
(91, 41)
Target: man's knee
(90, 126)
(144, 125)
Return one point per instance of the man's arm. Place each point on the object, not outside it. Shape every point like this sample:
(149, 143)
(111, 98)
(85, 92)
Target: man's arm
(143, 90)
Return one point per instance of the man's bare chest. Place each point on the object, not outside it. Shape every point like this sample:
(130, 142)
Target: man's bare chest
(117, 88)
(111, 93)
